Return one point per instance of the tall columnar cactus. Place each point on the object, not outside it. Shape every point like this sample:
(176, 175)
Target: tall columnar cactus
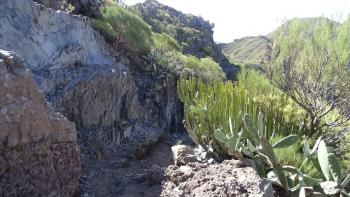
(219, 106)
(208, 107)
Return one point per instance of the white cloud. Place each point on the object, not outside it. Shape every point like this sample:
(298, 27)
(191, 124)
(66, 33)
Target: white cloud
(238, 18)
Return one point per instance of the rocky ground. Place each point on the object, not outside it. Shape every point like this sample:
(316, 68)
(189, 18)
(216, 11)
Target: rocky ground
(229, 178)
(153, 173)
(139, 174)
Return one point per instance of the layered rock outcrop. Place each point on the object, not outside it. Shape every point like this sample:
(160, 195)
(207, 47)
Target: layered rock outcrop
(80, 75)
(38, 151)
(48, 39)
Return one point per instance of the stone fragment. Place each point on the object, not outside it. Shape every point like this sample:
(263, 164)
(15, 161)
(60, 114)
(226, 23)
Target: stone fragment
(229, 178)
(183, 154)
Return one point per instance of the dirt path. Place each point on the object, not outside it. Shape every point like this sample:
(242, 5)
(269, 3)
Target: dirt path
(131, 177)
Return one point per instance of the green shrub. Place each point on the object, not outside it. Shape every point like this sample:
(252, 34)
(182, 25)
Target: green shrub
(274, 101)
(255, 81)
(131, 31)
(205, 69)
(105, 29)
(309, 62)
(168, 62)
(165, 42)
(187, 66)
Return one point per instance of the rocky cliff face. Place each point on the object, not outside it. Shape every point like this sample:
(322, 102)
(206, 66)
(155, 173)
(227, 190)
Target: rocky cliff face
(193, 33)
(79, 75)
(48, 39)
(38, 151)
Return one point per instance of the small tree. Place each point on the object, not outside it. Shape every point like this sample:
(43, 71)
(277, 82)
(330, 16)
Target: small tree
(310, 63)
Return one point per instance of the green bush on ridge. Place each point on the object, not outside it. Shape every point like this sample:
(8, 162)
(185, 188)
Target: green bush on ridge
(203, 68)
(105, 29)
(165, 42)
(166, 57)
(124, 28)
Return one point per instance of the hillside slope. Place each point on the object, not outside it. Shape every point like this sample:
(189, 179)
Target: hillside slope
(251, 50)
(256, 49)
(194, 34)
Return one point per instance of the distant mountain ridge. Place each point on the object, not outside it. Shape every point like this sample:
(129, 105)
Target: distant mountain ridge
(249, 50)
(257, 49)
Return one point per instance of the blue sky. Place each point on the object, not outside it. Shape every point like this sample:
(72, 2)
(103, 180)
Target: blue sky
(238, 18)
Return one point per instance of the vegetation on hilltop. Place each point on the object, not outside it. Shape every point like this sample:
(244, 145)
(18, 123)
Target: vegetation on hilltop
(308, 22)
(160, 52)
(194, 34)
(125, 29)
(205, 69)
(248, 50)
(256, 50)
(165, 42)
